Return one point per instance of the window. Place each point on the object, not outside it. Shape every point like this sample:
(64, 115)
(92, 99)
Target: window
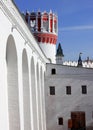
(68, 90)
(84, 89)
(60, 121)
(52, 90)
(53, 71)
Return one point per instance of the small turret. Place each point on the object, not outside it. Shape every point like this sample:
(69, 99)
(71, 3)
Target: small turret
(59, 55)
(80, 60)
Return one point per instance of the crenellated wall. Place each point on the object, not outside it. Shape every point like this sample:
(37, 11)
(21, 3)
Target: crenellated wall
(88, 64)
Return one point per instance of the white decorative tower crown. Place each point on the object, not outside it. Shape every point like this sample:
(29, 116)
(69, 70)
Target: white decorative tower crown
(44, 26)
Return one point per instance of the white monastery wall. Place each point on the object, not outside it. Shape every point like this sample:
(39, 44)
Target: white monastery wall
(22, 73)
(61, 104)
(22, 68)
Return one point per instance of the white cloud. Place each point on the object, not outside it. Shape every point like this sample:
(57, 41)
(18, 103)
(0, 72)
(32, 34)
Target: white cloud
(76, 28)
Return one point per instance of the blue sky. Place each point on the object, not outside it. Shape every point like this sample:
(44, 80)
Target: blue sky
(75, 24)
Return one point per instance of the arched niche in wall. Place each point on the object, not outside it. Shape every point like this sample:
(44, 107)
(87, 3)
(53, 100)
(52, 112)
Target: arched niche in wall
(12, 84)
(26, 92)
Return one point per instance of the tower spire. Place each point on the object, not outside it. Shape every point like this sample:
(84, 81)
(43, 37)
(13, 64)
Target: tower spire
(59, 51)
(80, 60)
(59, 55)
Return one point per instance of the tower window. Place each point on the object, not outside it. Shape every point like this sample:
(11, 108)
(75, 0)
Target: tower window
(60, 121)
(53, 71)
(84, 89)
(52, 90)
(68, 90)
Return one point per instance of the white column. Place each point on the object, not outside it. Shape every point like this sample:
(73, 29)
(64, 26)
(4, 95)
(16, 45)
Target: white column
(43, 98)
(37, 22)
(57, 25)
(53, 24)
(20, 90)
(42, 22)
(49, 22)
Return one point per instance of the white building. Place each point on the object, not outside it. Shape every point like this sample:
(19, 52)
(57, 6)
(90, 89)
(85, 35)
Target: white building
(26, 102)
(22, 70)
(68, 89)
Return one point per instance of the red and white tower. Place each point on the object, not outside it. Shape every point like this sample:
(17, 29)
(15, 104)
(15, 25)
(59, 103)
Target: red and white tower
(44, 26)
